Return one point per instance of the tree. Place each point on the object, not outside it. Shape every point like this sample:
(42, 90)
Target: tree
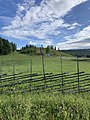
(6, 47)
(58, 49)
(52, 47)
(27, 46)
(13, 46)
(47, 49)
(35, 50)
(1, 46)
(55, 48)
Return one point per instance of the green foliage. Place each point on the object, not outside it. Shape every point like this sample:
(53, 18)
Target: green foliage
(13, 46)
(29, 49)
(51, 106)
(6, 47)
(48, 51)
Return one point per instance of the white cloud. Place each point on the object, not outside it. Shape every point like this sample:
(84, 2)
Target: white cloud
(40, 21)
(82, 35)
(45, 43)
(73, 26)
(71, 45)
(42, 42)
(20, 8)
(77, 41)
(32, 43)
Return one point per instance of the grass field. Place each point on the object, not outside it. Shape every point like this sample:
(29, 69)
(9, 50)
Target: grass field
(53, 106)
(52, 64)
(43, 106)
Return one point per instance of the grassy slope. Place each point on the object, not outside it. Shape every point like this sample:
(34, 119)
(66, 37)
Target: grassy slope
(79, 52)
(50, 52)
(52, 64)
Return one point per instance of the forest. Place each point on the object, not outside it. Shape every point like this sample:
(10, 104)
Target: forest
(6, 47)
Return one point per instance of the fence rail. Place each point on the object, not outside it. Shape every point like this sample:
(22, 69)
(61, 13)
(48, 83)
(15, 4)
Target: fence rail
(21, 83)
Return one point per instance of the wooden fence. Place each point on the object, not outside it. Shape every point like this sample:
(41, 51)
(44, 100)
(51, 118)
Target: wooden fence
(65, 83)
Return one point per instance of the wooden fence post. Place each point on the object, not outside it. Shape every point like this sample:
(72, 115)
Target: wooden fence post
(78, 79)
(30, 74)
(0, 73)
(1, 67)
(62, 82)
(1, 70)
(14, 75)
(31, 66)
(43, 66)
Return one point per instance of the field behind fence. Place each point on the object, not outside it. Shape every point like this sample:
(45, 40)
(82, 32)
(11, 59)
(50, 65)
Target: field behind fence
(65, 83)
(44, 74)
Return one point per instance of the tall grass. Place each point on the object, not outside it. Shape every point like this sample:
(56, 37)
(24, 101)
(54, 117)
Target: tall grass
(44, 106)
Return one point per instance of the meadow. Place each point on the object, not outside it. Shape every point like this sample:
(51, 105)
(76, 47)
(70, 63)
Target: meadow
(43, 106)
(22, 64)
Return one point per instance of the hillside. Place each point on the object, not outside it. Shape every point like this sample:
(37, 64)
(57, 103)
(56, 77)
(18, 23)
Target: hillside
(48, 51)
(79, 52)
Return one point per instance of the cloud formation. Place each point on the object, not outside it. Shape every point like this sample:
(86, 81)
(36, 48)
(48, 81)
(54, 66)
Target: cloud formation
(77, 41)
(44, 20)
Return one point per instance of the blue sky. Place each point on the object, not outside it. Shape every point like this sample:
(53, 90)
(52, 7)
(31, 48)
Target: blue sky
(62, 23)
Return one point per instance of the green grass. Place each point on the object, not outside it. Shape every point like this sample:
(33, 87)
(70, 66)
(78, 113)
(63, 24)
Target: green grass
(53, 106)
(52, 64)
(45, 106)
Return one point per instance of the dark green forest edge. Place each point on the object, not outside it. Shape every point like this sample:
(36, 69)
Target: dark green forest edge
(79, 52)
(6, 47)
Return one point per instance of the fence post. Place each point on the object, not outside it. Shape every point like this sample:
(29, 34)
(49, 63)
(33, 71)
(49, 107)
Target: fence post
(14, 74)
(78, 74)
(43, 66)
(30, 74)
(31, 66)
(1, 74)
(62, 82)
(1, 67)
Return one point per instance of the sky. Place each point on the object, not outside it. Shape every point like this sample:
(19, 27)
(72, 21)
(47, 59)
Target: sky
(61, 23)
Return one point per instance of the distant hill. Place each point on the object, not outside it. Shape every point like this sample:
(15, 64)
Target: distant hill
(79, 52)
(48, 51)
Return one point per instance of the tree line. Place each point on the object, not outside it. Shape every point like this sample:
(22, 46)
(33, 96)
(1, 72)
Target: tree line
(33, 50)
(6, 47)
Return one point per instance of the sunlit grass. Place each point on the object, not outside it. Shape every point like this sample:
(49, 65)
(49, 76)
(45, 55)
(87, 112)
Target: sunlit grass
(44, 106)
(52, 64)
